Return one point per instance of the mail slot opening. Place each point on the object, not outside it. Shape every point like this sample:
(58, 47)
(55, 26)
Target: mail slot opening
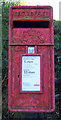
(30, 24)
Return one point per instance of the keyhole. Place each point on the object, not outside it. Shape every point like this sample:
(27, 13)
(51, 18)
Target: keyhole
(18, 76)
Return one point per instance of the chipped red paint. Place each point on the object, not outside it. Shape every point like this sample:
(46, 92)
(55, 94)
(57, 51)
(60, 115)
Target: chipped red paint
(42, 41)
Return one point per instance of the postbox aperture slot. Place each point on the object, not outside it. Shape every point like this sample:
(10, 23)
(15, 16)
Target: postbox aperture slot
(30, 24)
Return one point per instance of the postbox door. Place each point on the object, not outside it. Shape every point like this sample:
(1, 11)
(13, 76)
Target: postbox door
(31, 97)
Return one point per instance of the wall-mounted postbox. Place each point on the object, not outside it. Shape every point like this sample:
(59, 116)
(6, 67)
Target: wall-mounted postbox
(31, 59)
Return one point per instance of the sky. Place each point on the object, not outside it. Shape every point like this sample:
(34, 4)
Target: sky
(53, 3)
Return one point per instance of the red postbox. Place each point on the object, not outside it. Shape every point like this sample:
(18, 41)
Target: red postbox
(31, 59)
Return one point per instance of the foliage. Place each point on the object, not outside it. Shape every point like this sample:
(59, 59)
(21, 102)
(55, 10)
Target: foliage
(5, 36)
(57, 45)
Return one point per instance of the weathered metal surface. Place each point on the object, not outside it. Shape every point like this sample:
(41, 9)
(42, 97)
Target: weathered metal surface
(42, 40)
(31, 13)
(31, 36)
